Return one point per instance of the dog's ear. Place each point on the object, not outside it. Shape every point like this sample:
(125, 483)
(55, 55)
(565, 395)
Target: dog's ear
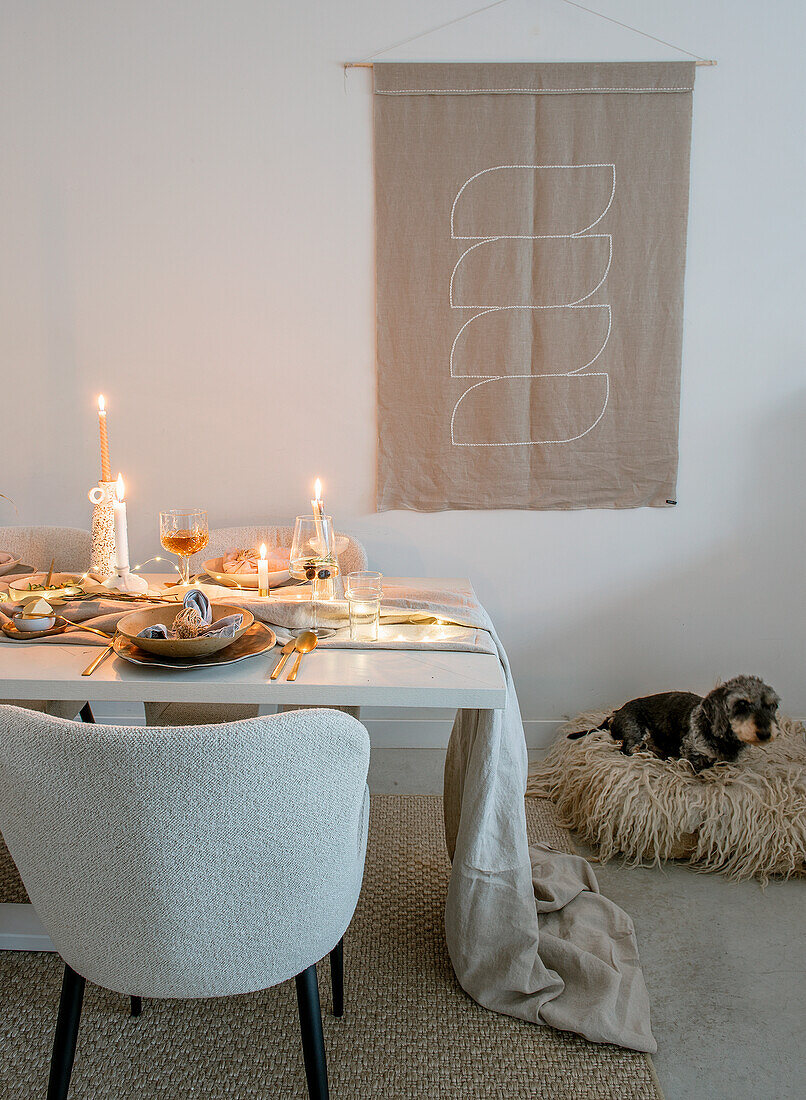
(713, 716)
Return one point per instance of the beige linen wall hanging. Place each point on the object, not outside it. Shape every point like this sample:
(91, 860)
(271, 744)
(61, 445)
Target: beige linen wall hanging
(531, 235)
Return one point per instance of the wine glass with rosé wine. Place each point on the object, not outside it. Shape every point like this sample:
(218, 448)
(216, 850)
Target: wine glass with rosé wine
(184, 532)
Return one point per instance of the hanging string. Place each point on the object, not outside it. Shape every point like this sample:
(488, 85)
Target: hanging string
(432, 30)
(635, 30)
(366, 63)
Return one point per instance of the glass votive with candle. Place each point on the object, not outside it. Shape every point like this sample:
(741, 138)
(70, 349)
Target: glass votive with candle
(364, 591)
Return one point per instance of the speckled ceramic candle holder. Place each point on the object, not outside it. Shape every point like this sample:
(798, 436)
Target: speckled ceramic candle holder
(102, 555)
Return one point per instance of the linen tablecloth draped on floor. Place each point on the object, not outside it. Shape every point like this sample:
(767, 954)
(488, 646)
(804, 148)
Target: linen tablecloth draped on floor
(527, 930)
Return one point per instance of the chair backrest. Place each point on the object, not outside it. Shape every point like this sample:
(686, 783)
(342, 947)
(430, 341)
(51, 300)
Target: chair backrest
(352, 559)
(70, 546)
(188, 861)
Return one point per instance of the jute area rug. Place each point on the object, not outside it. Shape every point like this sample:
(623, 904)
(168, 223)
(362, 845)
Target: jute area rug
(408, 1030)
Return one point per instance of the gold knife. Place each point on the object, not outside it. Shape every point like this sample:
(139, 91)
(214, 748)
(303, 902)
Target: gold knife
(88, 671)
(286, 651)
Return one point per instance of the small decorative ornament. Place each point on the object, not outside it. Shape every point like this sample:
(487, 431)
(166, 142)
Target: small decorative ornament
(122, 579)
(188, 623)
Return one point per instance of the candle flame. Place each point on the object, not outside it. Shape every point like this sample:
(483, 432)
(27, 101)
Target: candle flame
(317, 489)
(119, 488)
(101, 403)
(263, 549)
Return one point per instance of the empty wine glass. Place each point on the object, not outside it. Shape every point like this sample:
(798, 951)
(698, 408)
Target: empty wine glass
(313, 558)
(184, 532)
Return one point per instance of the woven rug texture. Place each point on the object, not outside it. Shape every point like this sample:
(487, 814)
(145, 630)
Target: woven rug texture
(409, 1030)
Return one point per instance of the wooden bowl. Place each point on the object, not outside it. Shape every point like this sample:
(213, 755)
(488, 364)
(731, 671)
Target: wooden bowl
(34, 585)
(131, 625)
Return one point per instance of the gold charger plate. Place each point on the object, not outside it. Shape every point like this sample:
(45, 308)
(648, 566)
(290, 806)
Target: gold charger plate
(257, 639)
(59, 627)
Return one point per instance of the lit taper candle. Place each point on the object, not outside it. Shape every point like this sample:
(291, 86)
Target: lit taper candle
(106, 471)
(262, 572)
(121, 527)
(318, 506)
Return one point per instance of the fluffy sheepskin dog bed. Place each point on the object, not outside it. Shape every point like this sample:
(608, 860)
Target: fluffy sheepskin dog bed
(746, 819)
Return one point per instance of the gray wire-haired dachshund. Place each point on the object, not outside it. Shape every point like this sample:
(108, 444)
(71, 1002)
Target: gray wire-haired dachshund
(703, 730)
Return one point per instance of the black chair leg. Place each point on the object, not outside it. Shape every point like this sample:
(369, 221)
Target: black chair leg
(313, 1043)
(64, 1045)
(337, 977)
(86, 714)
(137, 1006)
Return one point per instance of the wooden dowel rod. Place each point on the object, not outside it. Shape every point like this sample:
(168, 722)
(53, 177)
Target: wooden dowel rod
(369, 64)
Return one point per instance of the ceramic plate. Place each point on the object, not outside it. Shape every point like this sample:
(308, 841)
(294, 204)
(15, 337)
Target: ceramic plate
(180, 648)
(240, 580)
(7, 563)
(257, 639)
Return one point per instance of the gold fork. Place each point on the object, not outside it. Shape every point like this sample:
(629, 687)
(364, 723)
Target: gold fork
(88, 671)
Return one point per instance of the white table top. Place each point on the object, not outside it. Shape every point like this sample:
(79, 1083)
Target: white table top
(380, 677)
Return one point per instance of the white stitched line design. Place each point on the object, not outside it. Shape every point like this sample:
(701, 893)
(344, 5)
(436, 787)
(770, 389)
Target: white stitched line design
(577, 373)
(498, 309)
(525, 236)
(543, 237)
(522, 91)
(533, 442)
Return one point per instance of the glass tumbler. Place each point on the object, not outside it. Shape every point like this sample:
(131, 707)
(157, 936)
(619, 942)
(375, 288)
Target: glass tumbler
(364, 592)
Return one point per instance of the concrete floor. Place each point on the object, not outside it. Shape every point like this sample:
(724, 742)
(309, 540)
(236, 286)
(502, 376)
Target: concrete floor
(724, 963)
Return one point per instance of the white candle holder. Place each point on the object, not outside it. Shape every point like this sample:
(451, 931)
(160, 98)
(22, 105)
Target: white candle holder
(123, 580)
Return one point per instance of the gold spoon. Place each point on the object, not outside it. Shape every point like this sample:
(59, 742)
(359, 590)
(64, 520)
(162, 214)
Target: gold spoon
(306, 642)
(286, 651)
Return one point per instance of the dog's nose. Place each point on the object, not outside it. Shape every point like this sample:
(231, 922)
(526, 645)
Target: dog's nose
(764, 734)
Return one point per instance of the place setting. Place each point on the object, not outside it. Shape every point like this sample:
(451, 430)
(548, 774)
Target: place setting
(194, 621)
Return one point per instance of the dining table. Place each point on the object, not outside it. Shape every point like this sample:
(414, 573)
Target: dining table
(373, 675)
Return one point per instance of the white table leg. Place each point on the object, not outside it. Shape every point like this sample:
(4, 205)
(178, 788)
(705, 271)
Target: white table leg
(21, 930)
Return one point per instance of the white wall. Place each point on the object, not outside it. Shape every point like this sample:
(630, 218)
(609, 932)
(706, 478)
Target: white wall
(186, 224)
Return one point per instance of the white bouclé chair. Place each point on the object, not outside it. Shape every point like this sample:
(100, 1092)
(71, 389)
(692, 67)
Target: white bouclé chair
(189, 862)
(69, 548)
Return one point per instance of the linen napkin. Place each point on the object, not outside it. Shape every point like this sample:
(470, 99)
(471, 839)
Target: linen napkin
(195, 600)
(245, 561)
